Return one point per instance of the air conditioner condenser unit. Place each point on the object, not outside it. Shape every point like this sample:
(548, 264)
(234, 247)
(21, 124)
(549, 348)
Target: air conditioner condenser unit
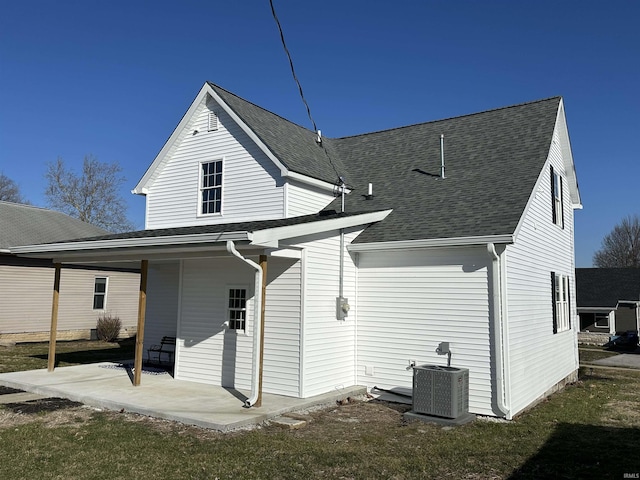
(440, 391)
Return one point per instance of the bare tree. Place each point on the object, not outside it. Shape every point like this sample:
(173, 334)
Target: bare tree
(9, 191)
(91, 197)
(621, 247)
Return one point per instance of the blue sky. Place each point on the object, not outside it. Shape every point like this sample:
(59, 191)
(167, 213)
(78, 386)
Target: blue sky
(113, 78)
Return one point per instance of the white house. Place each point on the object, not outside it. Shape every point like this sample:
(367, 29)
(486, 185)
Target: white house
(458, 230)
(26, 283)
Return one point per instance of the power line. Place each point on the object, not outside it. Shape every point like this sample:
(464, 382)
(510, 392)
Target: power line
(340, 181)
(293, 72)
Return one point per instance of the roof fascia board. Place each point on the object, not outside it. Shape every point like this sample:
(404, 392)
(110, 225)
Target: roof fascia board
(569, 168)
(314, 182)
(271, 236)
(567, 155)
(431, 243)
(127, 243)
(283, 169)
(142, 187)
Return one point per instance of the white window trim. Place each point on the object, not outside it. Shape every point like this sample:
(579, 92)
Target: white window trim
(558, 201)
(199, 213)
(562, 303)
(106, 292)
(246, 308)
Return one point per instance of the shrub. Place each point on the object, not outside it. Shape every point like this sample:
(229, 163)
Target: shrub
(108, 328)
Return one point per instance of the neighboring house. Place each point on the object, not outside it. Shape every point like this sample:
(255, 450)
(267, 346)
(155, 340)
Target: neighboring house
(26, 285)
(481, 257)
(608, 299)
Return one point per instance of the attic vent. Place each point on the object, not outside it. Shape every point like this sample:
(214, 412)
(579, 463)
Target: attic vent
(212, 124)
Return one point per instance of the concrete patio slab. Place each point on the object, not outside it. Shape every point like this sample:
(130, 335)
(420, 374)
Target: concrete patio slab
(160, 395)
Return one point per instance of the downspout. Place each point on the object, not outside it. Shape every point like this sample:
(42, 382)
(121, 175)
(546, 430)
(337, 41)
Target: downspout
(257, 307)
(497, 328)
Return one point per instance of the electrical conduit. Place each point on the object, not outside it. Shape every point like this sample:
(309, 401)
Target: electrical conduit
(497, 329)
(257, 307)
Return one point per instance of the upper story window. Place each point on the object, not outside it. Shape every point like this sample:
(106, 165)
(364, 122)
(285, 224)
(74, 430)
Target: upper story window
(211, 187)
(100, 293)
(561, 303)
(557, 207)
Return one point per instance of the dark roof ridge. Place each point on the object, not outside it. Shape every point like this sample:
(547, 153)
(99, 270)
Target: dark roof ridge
(451, 118)
(258, 106)
(28, 205)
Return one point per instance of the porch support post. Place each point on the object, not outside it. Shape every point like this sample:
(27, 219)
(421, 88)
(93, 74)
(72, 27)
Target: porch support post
(142, 309)
(263, 266)
(54, 318)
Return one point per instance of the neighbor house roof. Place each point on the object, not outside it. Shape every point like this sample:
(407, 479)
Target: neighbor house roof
(29, 225)
(605, 287)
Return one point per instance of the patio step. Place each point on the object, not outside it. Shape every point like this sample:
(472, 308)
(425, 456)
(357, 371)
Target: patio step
(19, 397)
(288, 422)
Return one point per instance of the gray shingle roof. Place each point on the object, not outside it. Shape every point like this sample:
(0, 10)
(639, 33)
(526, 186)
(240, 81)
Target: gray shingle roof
(293, 145)
(28, 225)
(493, 160)
(219, 228)
(604, 287)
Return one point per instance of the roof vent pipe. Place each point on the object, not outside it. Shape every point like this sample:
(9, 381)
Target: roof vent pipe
(319, 138)
(442, 155)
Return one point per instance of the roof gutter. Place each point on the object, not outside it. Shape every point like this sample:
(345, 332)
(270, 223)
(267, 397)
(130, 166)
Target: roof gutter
(170, 240)
(257, 308)
(430, 243)
(497, 318)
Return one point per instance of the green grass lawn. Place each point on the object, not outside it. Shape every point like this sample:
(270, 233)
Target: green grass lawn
(589, 430)
(590, 353)
(31, 356)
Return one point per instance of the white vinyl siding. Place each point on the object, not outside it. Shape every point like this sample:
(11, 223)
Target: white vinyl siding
(162, 302)
(329, 344)
(409, 301)
(538, 358)
(305, 199)
(209, 352)
(26, 294)
(250, 177)
(281, 373)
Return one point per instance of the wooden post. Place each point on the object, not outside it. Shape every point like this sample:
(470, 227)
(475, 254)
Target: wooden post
(54, 318)
(263, 266)
(142, 309)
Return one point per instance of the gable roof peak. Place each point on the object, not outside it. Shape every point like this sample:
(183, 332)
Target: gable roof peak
(217, 88)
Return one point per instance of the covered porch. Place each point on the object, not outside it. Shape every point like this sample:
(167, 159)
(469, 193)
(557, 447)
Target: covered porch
(108, 386)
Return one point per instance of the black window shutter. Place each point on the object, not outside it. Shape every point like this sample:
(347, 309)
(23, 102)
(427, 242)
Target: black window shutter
(553, 302)
(562, 201)
(553, 198)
